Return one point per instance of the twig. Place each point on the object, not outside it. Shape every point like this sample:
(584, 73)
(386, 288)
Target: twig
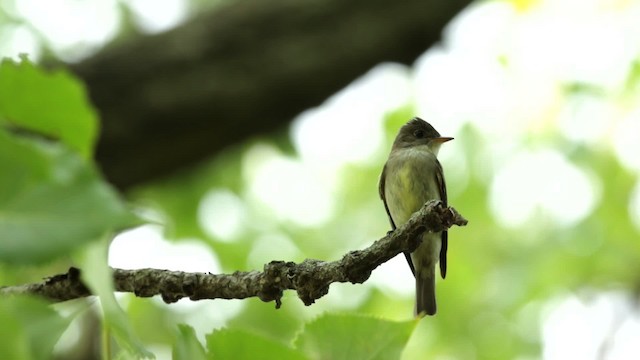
(311, 278)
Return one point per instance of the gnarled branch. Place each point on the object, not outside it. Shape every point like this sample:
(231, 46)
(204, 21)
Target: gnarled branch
(311, 278)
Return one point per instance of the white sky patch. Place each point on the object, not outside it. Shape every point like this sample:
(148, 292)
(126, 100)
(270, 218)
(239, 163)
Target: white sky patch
(587, 118)
(16, 40)
(347, 128)
(73, 28)
(270, 247)
(481, 29)
(542, 180)
(573, 43)
(222, 215)
(576, 329)
(154, 16)
(394, 275)
(344, 297)
(456, 167)
(626, 141)
(625, 344)
(144, 247)
(292, 189)
(451, 90)
(504, 69)
(473, 78)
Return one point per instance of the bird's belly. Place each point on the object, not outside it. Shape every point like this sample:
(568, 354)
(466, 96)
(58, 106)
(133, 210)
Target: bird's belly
(407, 191)
(426, 256)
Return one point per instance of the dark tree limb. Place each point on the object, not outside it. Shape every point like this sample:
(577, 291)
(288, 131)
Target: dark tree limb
(244, 69)
(311, 278)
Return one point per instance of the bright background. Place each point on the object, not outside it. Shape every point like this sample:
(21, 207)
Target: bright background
(543, 100)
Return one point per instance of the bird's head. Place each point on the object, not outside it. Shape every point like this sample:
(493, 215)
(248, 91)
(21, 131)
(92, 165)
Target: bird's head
(418, 132)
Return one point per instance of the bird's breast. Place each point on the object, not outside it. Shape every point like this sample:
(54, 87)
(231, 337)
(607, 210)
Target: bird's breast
(409, 183)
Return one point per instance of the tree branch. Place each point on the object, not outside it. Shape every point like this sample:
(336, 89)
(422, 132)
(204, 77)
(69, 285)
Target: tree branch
(311, 278)
(172, 100)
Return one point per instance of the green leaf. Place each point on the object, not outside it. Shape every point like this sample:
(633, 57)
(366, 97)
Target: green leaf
(354, 337)
(51, 103)
(238, 345)
(282, 325)
(51, 201)
(97, 275)
(187, 346)
(14, 343)
(153, 322)
(30, 328)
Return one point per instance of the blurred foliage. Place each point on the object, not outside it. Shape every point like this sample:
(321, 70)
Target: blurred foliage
(53, 202)
(502, 279)
(240, 344)
(499, 279)
(47, 198)
(339, 336)
(52, 187)
(57, 109)
(47, 191)
(187, 346)
(30, 328)
(354, 337)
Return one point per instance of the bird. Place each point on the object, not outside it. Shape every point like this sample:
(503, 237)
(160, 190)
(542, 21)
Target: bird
(411, 176)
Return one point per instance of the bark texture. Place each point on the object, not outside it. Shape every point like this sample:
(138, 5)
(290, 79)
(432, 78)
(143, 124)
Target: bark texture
(244, 69)
(310, 279)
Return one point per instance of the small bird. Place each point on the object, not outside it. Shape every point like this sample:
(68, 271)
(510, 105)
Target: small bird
(412, 176)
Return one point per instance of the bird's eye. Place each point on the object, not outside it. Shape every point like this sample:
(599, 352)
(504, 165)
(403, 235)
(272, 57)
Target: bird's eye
(418, 133)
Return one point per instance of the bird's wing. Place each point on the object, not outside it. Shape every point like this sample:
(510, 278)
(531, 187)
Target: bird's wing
(407, 254)
(442, 187)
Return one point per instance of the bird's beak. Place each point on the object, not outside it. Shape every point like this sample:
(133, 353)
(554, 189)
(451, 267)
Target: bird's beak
(442, 139)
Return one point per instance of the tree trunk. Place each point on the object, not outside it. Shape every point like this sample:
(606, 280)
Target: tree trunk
(170, 100)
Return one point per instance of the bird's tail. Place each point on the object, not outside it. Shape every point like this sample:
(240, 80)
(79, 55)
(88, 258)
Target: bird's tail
(425, 294)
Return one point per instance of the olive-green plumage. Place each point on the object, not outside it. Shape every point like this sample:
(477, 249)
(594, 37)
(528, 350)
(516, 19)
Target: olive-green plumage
(412, 176)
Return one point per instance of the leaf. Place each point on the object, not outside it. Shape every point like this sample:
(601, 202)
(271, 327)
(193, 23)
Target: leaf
(187, 346)
(238, 345)
(13, 340)
(354, 337)
(30, 328)
(96, 274)
(51, 103)
(281, 325)
(51, 201)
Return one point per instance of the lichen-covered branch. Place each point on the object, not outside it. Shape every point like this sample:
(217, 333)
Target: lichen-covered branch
(310, 279)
